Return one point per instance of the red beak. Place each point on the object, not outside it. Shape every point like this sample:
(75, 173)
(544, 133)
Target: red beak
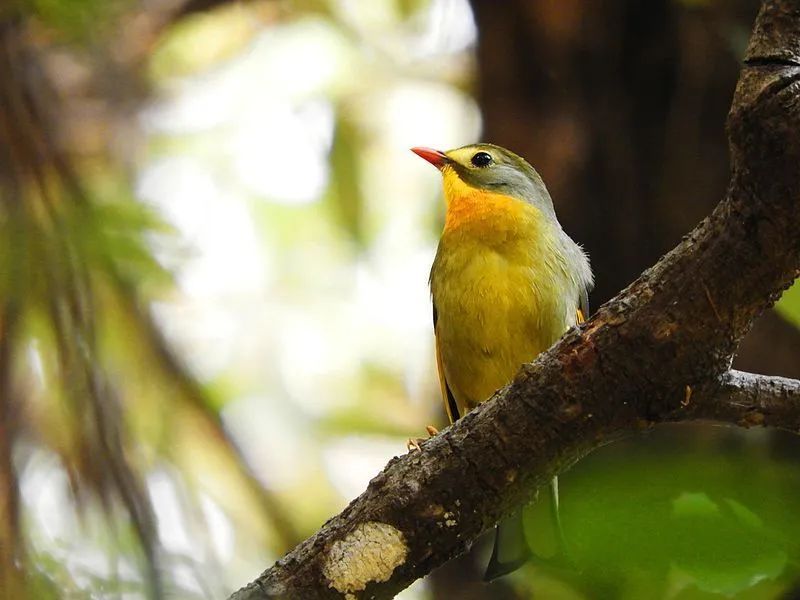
(436, 157)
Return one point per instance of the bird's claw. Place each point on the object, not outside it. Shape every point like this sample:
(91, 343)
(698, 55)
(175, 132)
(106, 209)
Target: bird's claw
(414, 443)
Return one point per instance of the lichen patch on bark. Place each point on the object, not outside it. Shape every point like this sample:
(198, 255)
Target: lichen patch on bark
(368, 554)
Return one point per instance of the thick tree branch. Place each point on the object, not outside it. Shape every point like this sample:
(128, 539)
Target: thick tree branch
(674, 329)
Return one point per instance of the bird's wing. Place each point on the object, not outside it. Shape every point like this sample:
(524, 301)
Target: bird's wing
(450, 404)
(583, 306)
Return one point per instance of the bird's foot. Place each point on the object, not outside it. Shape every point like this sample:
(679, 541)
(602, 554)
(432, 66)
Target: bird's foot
(414, 443)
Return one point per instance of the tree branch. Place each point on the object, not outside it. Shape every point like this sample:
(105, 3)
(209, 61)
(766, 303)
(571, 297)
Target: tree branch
(747, 400)
(674, 329)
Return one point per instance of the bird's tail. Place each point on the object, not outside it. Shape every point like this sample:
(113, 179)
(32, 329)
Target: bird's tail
(511, 549)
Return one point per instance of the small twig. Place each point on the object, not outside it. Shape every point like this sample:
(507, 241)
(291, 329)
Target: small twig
(687, 396)
(711, 302)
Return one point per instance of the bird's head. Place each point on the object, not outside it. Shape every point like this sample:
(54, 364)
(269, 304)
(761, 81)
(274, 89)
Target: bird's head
(490, 169)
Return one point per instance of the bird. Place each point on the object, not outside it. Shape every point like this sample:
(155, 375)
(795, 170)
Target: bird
(506, 283)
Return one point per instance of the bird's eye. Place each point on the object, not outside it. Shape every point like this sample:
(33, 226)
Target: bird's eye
(481, 159)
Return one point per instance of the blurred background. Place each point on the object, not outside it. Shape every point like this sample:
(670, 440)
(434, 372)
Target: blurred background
(215, 325)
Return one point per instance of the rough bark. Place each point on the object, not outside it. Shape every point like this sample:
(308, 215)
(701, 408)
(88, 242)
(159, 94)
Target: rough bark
(746, 399)
(659, 351)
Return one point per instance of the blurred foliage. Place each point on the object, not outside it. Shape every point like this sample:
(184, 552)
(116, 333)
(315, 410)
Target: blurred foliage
(73, 20)
(118, 469)
(95, 407)
(687, 512)
(214, 320)
(789, 305)
(346, 177)
(203, 41)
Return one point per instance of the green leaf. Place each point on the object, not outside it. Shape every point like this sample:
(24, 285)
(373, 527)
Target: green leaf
(346, 197)
(789, 305)
(689, 505)
(76, 20)
(689, 512)
(407, 8)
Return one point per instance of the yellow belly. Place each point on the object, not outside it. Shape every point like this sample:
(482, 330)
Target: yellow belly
(498, 305)
(501, 289)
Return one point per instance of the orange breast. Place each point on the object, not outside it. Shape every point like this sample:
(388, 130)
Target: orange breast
(480, 211)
